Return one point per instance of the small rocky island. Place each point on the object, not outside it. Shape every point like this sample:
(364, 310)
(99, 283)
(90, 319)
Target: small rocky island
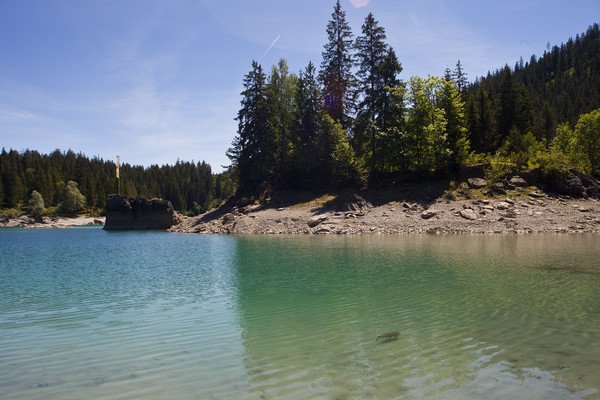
(123, 213)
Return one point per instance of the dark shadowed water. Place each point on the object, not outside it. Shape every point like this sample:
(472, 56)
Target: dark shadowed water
(91, 314)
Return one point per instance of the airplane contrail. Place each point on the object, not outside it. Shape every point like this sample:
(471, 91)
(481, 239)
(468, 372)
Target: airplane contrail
(272, 44)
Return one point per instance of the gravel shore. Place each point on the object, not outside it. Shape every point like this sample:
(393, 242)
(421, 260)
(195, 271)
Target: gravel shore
(39, 223)
(533, 212)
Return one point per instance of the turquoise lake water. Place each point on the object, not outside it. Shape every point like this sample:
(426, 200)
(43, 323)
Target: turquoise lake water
(90, 314)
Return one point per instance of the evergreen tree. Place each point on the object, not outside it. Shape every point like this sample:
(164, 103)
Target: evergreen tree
(307, 138)
(507, 104)
(253, 150)
(456, 124)
(390, 121)
(460, 77)
(378, 68)
(280, 94)
(336, 68)
(340, 168)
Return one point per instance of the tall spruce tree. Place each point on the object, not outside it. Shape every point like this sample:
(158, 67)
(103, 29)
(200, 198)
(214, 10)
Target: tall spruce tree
(375, 64)
(280, 94)
(456, 123)
(306, 131)
(336, 68)
(460, 77)
(254, 148)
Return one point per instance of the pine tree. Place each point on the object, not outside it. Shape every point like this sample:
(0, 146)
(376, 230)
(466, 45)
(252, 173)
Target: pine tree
(280, 94)
(456, 125)
(307, 141)
(254, 148)
(336, 68)
(391, 105)
(376, 66)
(460, 77)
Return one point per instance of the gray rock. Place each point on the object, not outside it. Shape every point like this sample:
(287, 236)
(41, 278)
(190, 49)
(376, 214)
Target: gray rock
(428, 214)
(228, 218)
(240, 226)
(316, 220)
(517, 181)
(467, 213)
(502, 205)
(323, 231)
(476, 182)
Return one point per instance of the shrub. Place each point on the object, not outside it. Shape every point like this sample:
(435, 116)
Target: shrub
(36, 204)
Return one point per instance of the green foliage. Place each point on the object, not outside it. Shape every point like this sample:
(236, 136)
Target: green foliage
(456, 123)
(564, 139)
(72, 200)
(36, 204)
(499, 169)
(553, 164)
(520, 148)
(587, 141)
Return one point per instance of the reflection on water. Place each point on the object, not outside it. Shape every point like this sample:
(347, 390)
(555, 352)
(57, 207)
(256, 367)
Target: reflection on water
(88, 313)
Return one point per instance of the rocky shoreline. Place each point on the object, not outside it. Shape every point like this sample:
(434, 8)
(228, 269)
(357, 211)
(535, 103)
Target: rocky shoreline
(47, 222)
(523, 212)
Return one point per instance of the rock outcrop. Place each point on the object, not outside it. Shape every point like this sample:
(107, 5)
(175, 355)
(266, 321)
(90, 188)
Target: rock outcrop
(123, 213)
(577, 184)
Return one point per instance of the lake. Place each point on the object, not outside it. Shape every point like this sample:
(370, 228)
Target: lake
(86, 313)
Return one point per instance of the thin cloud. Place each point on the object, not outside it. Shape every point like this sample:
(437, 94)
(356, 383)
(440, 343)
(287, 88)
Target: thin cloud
(359, 3)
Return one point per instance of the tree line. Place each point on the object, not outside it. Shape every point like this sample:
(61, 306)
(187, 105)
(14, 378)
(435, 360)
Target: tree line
(191, 187)
(536, 96)
(355, 121)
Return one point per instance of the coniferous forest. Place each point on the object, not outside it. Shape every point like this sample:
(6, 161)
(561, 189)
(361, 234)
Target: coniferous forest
(355, 121)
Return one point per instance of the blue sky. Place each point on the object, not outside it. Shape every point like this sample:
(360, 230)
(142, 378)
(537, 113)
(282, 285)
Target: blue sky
(156, 81)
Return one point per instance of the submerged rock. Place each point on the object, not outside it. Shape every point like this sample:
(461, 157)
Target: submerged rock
(124, 213)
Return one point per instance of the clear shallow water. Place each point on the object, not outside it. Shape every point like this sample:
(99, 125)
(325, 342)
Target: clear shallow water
(86, 313)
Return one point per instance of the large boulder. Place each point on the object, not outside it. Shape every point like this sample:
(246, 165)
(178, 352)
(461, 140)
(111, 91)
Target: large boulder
(577, 184)
(124, 213)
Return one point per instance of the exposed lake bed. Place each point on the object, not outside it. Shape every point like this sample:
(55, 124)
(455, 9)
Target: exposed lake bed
(533, 213)
(90, 313)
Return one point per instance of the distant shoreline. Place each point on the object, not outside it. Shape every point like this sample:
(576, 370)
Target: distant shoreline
(46, 222)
